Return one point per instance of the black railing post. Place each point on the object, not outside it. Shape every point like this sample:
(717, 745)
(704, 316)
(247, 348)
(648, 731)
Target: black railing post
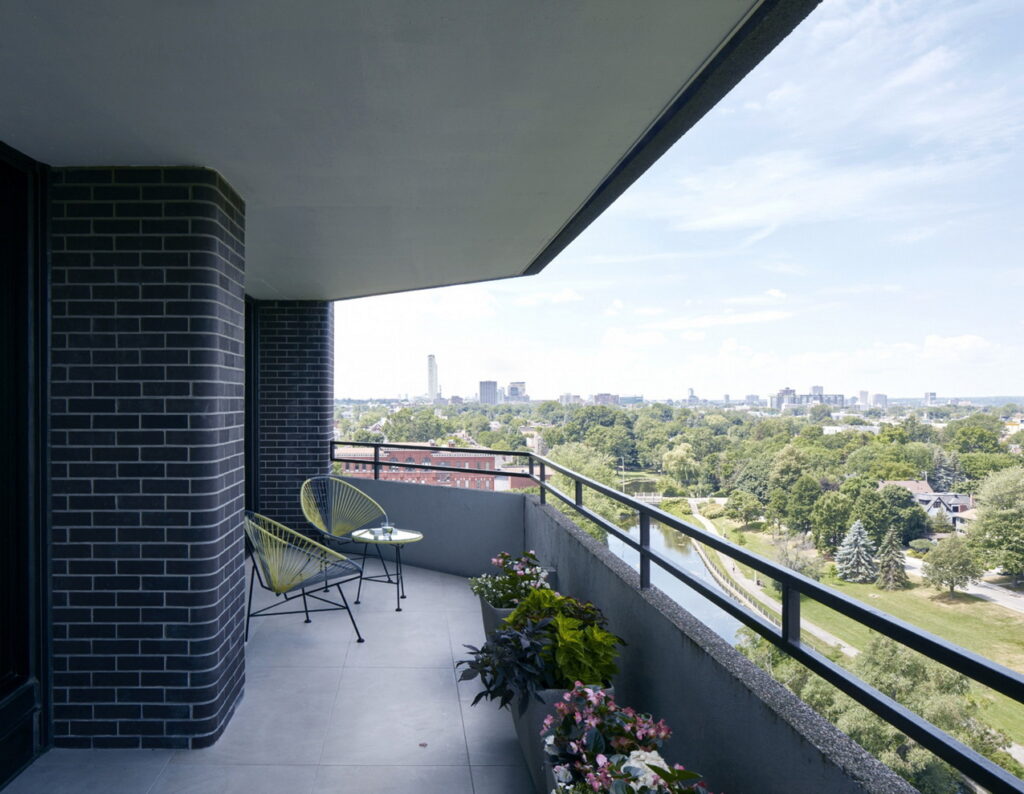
(579, 493)
(790, 613)
(543, 490)
(645, 544)
(376, 463)
(530, 464)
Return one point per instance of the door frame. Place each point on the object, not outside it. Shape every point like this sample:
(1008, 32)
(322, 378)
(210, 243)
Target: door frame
(26, 715)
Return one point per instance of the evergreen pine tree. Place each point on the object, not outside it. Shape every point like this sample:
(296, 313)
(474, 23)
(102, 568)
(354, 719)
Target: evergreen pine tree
(892, 574)
(855, 558)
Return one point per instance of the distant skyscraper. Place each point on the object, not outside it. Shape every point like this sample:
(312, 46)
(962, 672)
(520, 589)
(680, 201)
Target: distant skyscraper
(517, 391)
(817, 389)
(862, 399)
(929, 398)
(880, 401)
(432, 391)
(489, 392)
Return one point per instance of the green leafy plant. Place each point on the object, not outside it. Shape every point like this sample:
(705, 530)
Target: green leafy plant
(550, 641)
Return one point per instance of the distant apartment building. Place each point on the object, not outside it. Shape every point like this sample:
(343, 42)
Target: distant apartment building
(817, 396)
(606, 399)
(570, 399)
(929, 398)
(862, 399)
(880, 401)
(517, 392)
(752, 399)
(489, 392)
(432, 391)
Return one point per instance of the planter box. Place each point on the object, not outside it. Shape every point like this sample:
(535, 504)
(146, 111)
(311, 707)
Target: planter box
(528, 726)
(492, 616)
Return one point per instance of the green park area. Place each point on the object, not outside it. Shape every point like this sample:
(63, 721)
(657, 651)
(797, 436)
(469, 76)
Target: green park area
(967, 620)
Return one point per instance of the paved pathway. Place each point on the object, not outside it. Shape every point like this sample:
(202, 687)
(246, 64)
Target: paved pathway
(754, 591)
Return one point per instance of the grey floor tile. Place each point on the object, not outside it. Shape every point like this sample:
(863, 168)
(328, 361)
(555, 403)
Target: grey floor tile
(490, 735)
(92, 772)
(396, 716)
(501, 780)
(394, 780)
(282, 718)
(235, 779)
(288, 641)
(402, 639)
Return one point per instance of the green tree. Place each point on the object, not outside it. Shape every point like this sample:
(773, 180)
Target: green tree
(869, 509)
(743, 507)
(999, 530)
(945, 472)
(820, 413)
(679, 463)
(830, 519)
(892, 563)
(855, 560)
(800, 503)
(964, 437)
(978, 465)
(778, 508)
(952, 563)
(789, 464)
(942, 697)
(900, 510)
(592, 464)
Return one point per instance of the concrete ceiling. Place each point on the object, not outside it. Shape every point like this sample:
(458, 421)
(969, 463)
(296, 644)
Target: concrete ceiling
(382, 145)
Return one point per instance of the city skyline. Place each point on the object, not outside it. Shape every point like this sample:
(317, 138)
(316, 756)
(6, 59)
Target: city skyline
(853, 225)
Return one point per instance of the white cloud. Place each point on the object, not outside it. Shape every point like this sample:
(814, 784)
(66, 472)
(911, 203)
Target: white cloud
(614, 308)
(693, 336)
(768, 296)
(632, 338)
(722, 319)
(564, 295)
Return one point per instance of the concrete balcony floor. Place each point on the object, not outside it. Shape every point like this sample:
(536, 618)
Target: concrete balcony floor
(322, 713)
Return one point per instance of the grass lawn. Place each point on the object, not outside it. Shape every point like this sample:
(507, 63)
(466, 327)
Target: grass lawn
(969, 621)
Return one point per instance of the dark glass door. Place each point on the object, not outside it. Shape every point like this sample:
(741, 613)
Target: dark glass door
(24, 643)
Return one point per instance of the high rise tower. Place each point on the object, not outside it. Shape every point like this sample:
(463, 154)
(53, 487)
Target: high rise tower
(432, 392)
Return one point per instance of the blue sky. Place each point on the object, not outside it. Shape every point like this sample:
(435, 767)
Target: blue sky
(849, 216)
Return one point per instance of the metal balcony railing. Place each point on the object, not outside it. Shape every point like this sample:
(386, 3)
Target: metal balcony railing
(794, 585)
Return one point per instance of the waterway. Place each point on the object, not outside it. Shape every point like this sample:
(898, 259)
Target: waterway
(679, 548)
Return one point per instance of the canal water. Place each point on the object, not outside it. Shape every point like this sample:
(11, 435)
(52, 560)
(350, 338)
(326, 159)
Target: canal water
(678, 547)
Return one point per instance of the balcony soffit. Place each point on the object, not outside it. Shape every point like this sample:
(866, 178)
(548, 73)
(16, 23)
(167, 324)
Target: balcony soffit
(380, 146)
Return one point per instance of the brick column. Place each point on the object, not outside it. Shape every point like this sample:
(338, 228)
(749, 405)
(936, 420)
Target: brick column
(296, 402)
(147, 451)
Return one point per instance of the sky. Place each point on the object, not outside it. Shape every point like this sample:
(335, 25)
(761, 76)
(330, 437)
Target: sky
(849, 216)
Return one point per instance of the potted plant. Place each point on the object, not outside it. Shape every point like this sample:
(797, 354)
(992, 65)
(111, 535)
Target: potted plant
(501, 593)
(596, 745)
(549, 642)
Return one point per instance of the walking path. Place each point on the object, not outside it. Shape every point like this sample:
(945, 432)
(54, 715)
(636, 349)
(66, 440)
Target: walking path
(754, 592)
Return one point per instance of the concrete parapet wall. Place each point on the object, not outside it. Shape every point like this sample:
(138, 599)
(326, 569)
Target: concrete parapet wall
(730, 720)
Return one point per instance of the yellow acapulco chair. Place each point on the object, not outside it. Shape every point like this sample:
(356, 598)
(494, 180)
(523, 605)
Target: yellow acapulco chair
(335, 507)
(291, 565)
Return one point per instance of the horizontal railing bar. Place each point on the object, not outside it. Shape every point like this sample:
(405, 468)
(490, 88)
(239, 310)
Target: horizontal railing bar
(970, 664)
(384, 464)
(978, 768)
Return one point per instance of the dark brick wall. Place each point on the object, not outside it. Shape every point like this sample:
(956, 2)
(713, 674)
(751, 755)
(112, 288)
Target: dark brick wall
(147, 451)
(296, 402)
